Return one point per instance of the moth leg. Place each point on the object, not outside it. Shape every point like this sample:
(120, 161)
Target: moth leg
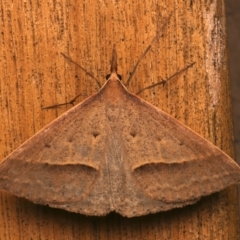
(66, 103)
(163, 82)
(74, 99)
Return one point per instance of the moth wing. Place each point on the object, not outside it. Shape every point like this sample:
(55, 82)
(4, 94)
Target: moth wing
(60, 163)
(170, 162)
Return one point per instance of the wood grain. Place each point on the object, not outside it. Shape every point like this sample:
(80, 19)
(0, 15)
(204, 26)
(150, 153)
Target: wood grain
(34, 74)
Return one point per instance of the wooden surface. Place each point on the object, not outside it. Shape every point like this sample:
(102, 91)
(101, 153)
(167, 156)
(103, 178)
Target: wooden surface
(34, 74)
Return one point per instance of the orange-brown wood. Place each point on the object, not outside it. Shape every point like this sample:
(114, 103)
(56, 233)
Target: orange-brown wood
(116, 152)
(34, 74)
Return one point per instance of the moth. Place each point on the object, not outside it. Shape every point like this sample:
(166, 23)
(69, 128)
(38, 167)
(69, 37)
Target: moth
(116, 152)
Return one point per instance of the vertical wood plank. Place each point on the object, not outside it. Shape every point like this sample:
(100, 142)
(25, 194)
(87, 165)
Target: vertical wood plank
(34, 74)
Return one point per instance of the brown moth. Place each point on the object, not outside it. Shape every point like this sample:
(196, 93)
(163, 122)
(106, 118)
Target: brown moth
(116, 152)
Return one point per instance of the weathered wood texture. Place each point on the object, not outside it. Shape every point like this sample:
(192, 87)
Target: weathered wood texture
(34, 74)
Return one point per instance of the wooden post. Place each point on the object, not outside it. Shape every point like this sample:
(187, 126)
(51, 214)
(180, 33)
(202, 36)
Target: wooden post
(34, 74)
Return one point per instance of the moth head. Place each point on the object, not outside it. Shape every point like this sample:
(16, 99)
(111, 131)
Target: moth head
(114, 75)
(118, 76)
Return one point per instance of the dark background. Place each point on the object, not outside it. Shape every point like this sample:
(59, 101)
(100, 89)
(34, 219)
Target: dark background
(233, 28)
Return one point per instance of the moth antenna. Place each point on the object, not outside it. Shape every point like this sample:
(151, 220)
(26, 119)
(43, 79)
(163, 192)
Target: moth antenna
(147, 50)
(163, 82)
(114, 59)
(87, 73)
(139, 60)
(66, 103)
(74, 99)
